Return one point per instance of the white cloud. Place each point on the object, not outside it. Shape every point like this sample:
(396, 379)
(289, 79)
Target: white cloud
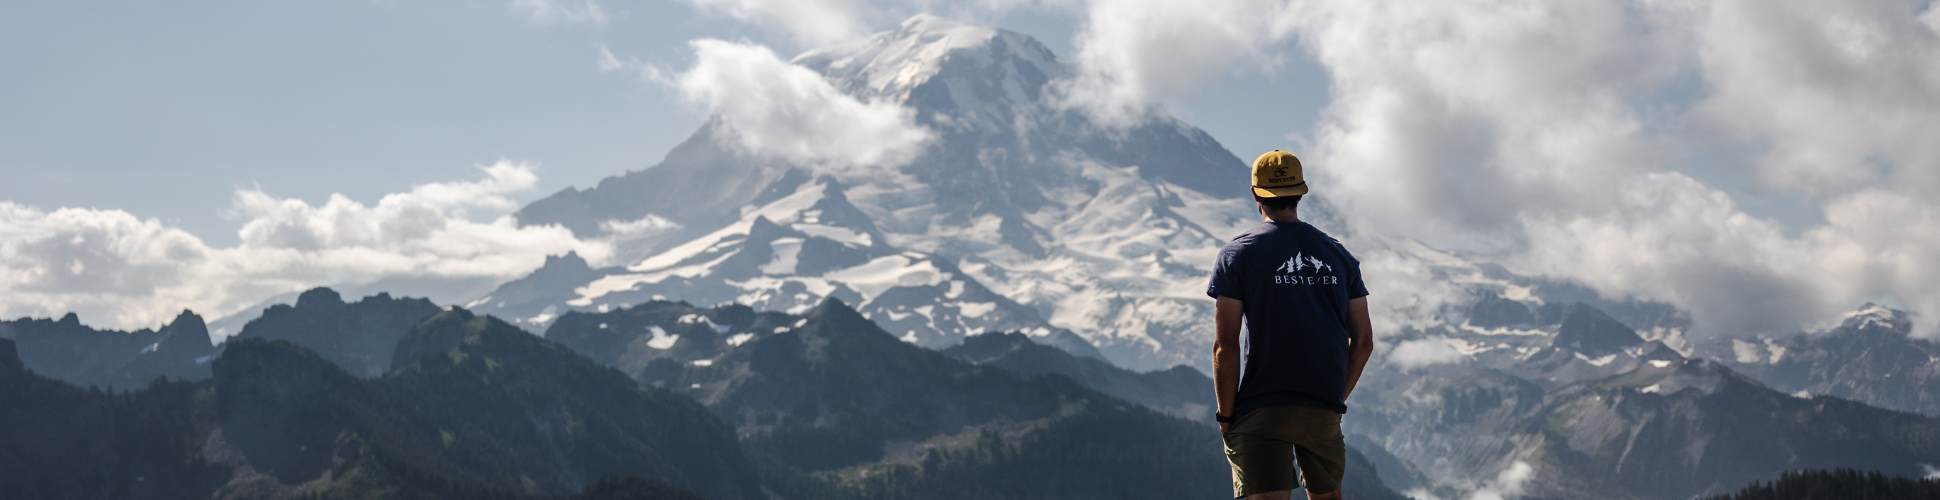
(1410, 293)
(1510, 483)
(648, 225)
(1416, 353)
(1134, 54)
(812, 22)
(1449, 118)
(562, 11)
(632, 240)
(608, 62)
(93, 260)
(775, 108)
(1840, 94)
(1556, 136)
(121, 271)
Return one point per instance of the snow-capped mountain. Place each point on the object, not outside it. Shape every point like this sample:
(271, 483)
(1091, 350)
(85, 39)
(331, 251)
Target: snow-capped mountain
(788, 255)
(1868, 358)
(1669, 428)
(1020, 215)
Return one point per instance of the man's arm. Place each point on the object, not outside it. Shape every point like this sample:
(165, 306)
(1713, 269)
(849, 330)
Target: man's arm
(1226, 354)
(1363, 342)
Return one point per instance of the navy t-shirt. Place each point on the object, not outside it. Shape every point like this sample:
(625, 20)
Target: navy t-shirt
(1295, 282)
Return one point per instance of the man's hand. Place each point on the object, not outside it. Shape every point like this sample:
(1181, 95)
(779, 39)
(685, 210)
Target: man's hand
(1223, 426)
(1226, 355)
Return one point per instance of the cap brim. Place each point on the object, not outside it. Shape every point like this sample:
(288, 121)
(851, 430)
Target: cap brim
(1280, 192)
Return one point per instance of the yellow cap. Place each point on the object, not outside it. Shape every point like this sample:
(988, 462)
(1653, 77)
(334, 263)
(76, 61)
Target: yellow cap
(1277, 174)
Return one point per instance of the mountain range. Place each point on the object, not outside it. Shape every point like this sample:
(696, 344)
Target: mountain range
(830, 407)
(827, 404)
(1664, 429)
(1018, 312)
(68, 350)
(832, 394)
(1870, 357)
(473, 408)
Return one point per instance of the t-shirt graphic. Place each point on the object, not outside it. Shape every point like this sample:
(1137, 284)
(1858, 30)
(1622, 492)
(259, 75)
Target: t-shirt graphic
(1295, 282)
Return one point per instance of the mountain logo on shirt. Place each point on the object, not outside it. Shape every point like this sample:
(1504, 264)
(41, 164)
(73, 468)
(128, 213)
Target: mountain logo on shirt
(1300, 262)
(1302, 269)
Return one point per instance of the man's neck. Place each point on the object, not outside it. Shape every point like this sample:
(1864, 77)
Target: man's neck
(1283, 217)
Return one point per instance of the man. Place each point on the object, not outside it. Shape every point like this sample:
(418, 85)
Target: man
(1307, 336)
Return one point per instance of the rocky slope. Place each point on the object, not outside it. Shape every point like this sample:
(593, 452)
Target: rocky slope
(1180, 391)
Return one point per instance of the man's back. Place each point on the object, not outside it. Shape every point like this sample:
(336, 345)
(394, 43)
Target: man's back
(1296, 283)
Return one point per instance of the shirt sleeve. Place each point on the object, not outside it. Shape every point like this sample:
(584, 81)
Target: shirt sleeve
(1225, 276)
(1355, 287)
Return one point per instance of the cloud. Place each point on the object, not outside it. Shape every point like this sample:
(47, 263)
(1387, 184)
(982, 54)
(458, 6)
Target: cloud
(811, 22)
(121, 271)
(1416, 353)
(1568, 140)
(1131, 54)
(562, 11)
(1134, 54)
(1411, 294)
(1839, 93)
(771, 107)
(608, 62)
(1510, 483)
(1450, 118)
(1507, 484)
(72, 258)
(645, 226)
(633, 239)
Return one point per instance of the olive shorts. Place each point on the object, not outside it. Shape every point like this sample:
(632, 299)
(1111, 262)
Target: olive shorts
(1263, 444)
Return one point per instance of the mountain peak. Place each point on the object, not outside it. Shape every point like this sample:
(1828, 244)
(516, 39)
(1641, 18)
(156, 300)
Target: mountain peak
(926, 48)
(762, 229)
(571, 261)
(186, 319)
(188, 332)
(359, 337)
(319, 297)
(439, 342)
(1874, 317)
(832, 314)
(1589, 330)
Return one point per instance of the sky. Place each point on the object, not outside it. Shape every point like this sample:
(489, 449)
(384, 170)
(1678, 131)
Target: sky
(1764, 164)
(164, 110)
